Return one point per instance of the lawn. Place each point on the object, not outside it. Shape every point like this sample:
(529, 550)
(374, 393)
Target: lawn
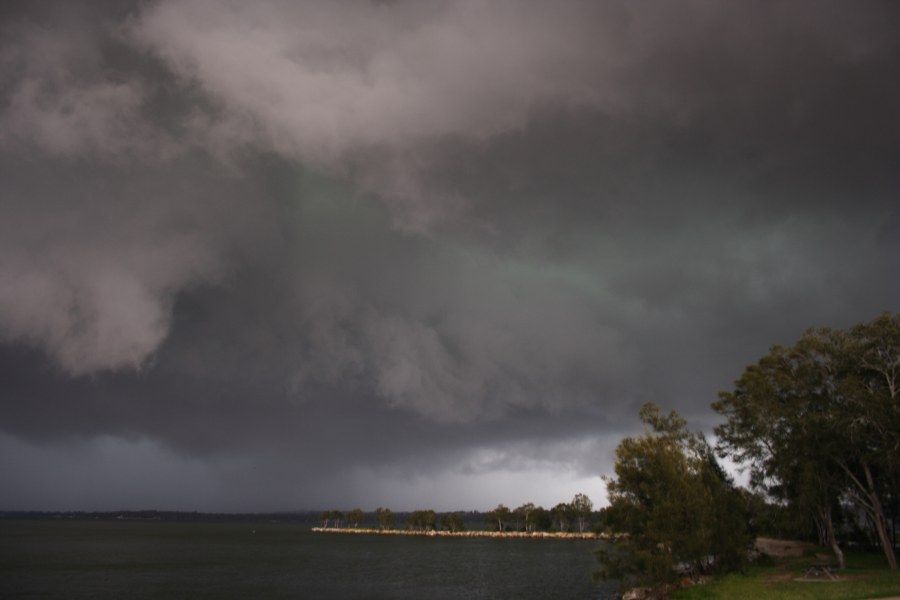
(866, 576)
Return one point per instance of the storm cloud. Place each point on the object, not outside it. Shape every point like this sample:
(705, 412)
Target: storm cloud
(417, 253)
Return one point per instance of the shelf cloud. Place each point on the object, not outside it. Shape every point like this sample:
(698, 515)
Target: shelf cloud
(259, 245)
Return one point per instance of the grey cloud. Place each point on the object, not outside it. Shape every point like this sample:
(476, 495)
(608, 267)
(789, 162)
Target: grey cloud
(488, 348)
(92, 259)
(448, 332)
(368, 88)
(65, 95)
(413, 245)
(325, 80)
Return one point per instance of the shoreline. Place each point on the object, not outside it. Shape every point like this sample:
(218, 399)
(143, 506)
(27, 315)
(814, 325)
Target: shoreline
(537, 535)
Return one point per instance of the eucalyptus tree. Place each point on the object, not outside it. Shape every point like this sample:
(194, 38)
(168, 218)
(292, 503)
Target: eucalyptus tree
(561, 516)
(355, 517)
(777, 423)
(540, 519)
(524, 517)
(422, 520)
(499, 517)
(868, 414)
(820, 421)
(452, 522)
(384, 517)
(582, 508)
(337, 517)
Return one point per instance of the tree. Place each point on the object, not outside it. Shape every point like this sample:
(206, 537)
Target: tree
(561, 516)
(337, 517)
(540, 519)
(499, 517)
(452, 522)
(523, 517)
(581, 510)
(384, 517)
(355, 517)
(675, 510)
(422, 520)
(870, 389)
(777, 423)
(819, 421)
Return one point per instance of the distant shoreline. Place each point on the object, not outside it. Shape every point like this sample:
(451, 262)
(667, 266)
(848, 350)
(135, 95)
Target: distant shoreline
(552, 535)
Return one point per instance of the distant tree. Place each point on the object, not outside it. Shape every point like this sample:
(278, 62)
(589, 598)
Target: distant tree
(325, 518)
(540, 519)
(677, 511)
(384, 517)
(355, 517)
(561, 514)
(422, 520)
(337, 517)
(499, 517)
(523, 517)
(452, 522)
(582, 507)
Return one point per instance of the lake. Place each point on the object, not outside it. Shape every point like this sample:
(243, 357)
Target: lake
(153, 559)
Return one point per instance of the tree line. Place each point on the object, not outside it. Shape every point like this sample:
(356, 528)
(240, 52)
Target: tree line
(816, 423)
(576, 515)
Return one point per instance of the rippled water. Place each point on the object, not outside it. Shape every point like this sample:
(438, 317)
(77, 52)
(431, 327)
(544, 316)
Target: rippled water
(102, 559)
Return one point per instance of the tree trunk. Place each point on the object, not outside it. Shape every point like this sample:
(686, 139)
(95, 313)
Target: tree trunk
(867, 497)
(881, 529)
(821, 532)
(877, 514)
(832, 541)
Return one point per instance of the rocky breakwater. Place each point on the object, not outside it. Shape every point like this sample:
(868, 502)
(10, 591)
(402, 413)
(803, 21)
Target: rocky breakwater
(549, 535)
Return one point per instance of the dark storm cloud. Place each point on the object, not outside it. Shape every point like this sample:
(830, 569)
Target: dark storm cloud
(425, 245)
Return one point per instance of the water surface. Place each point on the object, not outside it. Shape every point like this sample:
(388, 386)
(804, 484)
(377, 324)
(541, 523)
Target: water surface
(109, 559)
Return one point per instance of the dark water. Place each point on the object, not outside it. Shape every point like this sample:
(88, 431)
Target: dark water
(102, 559)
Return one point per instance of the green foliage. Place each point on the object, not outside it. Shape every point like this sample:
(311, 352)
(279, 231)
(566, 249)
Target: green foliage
(452, 522)
(582, 508)
(337, 518)
(819, 422)
(384, 517)
(672, 507)
(333, 518)
(499, 518)
(562, 516)
(355, 517)
(540, 519)
(422, 520)
(523, 517)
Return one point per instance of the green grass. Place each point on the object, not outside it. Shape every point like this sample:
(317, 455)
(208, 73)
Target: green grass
(865, 577)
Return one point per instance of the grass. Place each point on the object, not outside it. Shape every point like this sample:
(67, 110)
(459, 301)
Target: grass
(865, 577)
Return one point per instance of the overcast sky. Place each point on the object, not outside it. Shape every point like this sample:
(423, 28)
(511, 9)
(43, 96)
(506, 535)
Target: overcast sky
(302, 255)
